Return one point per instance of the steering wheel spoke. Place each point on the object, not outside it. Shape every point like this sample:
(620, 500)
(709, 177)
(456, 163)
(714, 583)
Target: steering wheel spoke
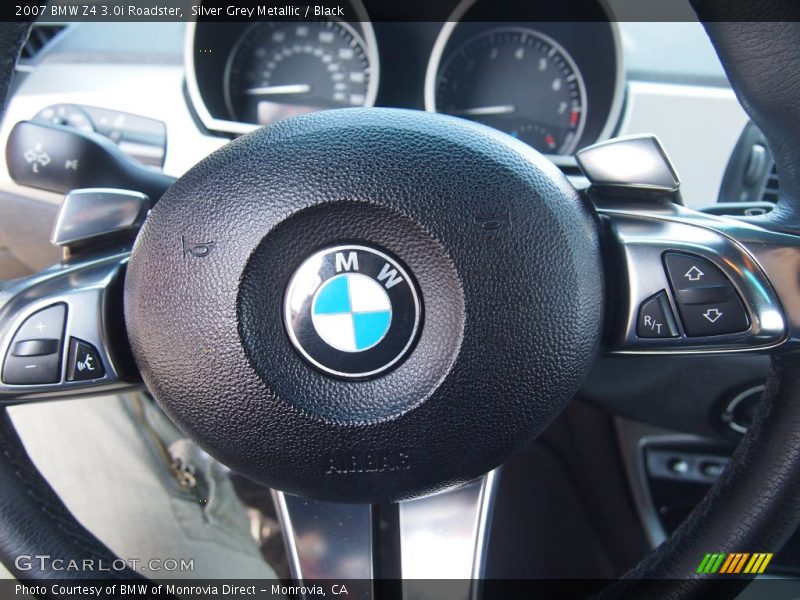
(438, 537)
(61, 332)
(691, 282)
(685, 281)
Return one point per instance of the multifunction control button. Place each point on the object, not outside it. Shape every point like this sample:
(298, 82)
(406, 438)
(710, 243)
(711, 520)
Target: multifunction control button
(34, 356)
(83, 361)
(35, 348)
(707, 302)
(655, 318)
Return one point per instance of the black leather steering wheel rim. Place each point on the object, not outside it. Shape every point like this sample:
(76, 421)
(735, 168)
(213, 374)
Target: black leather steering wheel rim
(755, 505)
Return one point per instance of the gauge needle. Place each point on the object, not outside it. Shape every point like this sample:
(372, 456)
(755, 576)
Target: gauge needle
(268, 90)
(502, 109)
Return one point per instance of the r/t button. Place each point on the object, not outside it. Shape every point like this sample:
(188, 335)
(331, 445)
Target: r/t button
(655, 318)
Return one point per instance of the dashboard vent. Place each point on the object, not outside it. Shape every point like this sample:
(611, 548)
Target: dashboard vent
(41, 35)
(751, 175)
(771, 186)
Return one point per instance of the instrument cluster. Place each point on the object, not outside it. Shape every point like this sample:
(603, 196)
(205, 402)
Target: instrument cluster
(557, 86)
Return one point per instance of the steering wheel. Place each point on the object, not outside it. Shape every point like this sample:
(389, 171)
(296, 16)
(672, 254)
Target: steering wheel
(373, 305)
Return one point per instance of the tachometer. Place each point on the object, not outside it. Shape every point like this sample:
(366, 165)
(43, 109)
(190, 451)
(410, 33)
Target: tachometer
(519, 81)
(283, 68)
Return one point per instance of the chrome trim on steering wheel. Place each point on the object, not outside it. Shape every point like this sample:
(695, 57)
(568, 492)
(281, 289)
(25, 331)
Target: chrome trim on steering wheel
(743, 253)
(442, 537)
(86, 289)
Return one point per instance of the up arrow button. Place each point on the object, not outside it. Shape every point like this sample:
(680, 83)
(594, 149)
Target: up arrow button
(694, 274)
(687, 271)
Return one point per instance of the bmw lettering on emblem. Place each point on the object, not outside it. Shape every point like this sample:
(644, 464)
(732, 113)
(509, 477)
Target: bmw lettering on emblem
(352, 311)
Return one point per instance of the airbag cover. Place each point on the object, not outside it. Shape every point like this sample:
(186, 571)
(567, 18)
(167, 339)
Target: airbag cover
(505, 255)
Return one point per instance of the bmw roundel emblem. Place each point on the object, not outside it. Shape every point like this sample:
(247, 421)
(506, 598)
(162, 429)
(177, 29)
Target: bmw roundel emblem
(352, 311)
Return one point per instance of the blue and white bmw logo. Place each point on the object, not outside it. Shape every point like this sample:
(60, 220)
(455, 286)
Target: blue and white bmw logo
(352, 311)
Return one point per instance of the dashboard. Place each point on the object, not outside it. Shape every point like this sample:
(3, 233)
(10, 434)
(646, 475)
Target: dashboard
(173, 85)
(556, 86)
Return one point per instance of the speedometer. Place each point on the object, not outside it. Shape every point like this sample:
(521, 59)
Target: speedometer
(283, 68)
(519, 81)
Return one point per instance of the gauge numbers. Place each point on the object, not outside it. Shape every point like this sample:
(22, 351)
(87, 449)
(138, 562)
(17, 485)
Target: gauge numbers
(519, 81)
(284, 68)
